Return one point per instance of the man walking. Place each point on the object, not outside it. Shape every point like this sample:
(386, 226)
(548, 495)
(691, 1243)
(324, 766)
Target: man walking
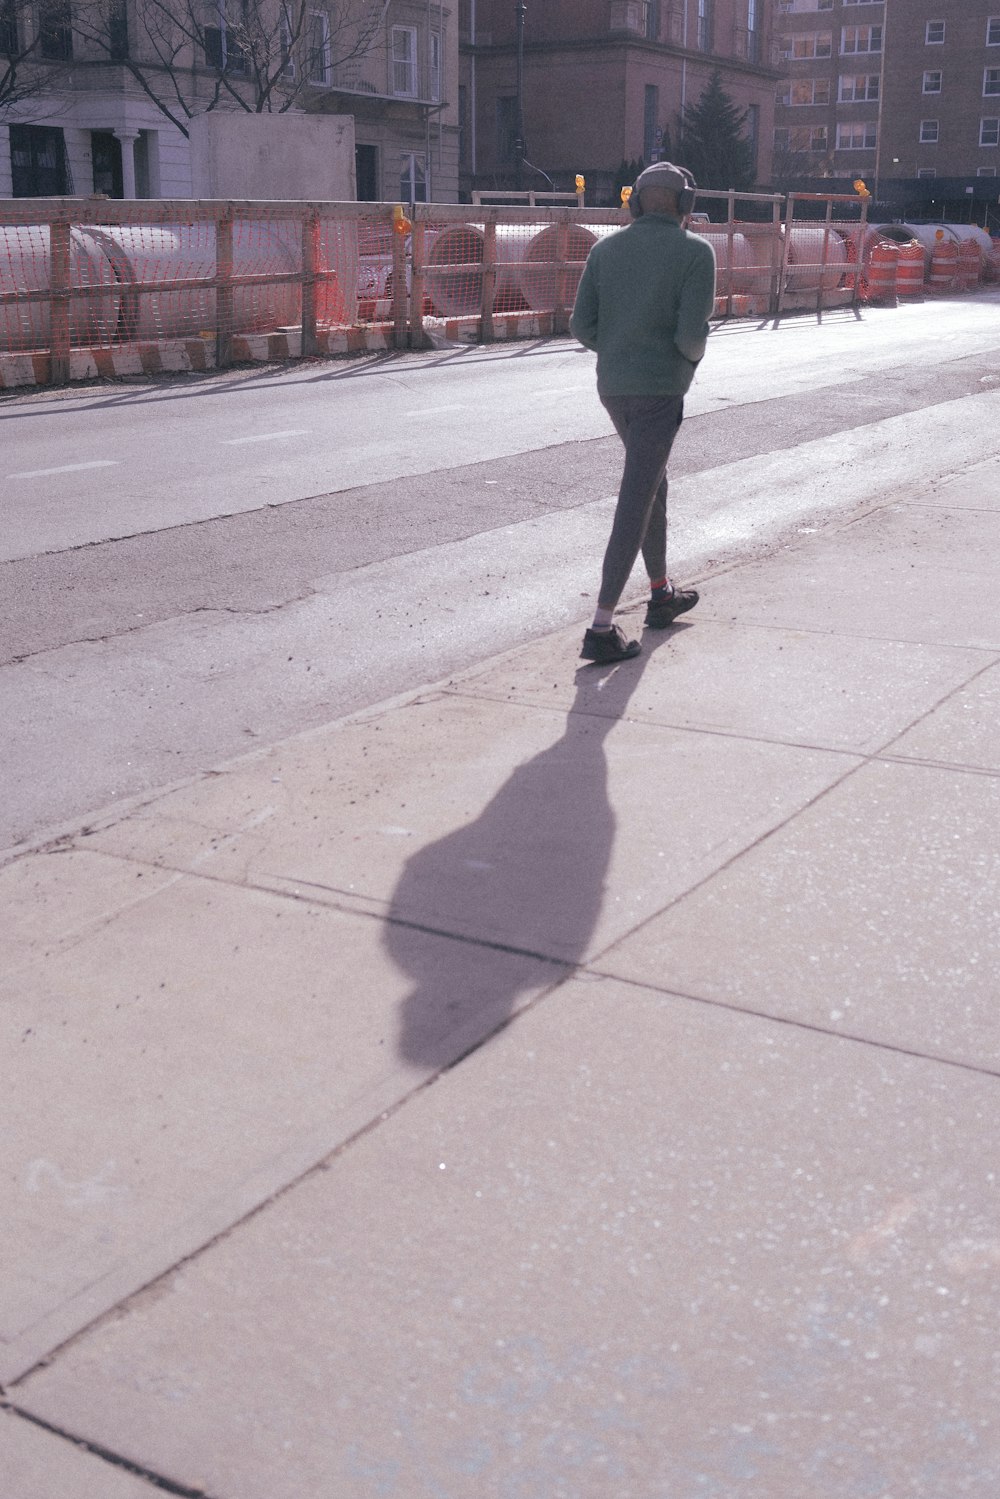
(643, 303)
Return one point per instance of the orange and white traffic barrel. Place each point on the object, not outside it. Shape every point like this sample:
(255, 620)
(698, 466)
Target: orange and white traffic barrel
(883, 257)
(737, 304)
(910, 270)
(970, 265)
(944, 265)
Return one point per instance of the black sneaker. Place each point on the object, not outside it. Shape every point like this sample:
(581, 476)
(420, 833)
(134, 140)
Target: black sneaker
(662, 612)
(604, 646)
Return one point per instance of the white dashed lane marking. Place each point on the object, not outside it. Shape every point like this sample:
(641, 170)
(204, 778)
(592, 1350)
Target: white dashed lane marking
(67, 468)
(234, 442)
(433, 411)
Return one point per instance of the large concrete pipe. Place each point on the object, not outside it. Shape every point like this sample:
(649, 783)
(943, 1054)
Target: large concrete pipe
(25, 265)
(816, 258)
(152, 253)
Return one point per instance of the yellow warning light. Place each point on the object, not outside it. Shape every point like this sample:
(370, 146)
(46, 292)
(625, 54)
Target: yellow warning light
(861, 190)
(400, 223)
(939, 234)
(581, 182)
(626, 194)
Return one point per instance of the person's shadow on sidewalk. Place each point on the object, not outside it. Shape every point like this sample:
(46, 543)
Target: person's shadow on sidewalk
(523, 882)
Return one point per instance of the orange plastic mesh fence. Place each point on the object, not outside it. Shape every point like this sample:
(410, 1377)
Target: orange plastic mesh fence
(147, 282)
(80, 274)
(521, 267)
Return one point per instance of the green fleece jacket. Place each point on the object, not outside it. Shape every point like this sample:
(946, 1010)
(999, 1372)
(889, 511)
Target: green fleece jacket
(643, 303)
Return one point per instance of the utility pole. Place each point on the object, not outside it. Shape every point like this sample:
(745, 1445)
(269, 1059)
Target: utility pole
(519, 127)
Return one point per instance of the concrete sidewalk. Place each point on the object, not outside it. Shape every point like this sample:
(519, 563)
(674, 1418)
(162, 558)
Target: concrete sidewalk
(716, 1215)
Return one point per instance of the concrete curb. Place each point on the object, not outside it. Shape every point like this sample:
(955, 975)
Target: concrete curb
(196, 355)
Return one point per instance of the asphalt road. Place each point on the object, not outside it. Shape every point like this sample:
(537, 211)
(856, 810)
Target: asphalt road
(193, 567)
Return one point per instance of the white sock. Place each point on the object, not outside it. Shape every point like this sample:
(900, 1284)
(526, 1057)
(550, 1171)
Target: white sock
(602, 619)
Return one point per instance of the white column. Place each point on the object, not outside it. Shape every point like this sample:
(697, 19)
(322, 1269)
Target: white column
(128, 139)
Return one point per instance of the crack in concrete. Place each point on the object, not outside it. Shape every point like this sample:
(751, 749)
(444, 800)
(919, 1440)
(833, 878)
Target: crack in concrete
(205, 609)
(115, 1459)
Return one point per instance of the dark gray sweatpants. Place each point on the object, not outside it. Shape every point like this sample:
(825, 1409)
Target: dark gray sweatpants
(647, 425)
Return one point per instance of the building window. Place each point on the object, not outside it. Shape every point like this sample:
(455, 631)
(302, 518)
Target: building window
(926, 171)
(986, 171)
(628, 15)
(801, 92)
(653, 20)
(38, 164)
(650, 114)
(320, 59)
(797, 7)
(55, 31)
(934, 33)
(412, 181)
(991, 81)
(989, 132)
(859, 136)
(993, 31)
(807, 44)
(117, 34)
(932, 81)
(285, 43)
(434, 65)
(224, 49)
(928, 132)
(8, 28)
(860, 39)
(705, 26)
(404, 65)
(753, 31)
(801, 138)
(858, 88)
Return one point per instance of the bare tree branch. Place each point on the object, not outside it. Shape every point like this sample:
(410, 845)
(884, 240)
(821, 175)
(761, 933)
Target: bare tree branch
(30, 33)
(192, 56)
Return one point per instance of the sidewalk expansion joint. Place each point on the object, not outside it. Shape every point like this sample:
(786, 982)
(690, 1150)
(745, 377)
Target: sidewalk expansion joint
(323, 1163)
(861, 763)
(850, 1037)
(346, 900)
(710, 731)
(156, 1480)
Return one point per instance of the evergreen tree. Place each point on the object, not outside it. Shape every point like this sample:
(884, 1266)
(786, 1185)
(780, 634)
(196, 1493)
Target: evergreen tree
(712, 144)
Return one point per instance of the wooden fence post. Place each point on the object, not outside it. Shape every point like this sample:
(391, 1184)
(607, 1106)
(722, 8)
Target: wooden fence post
(489, 277)
(59, 288)
(224, 289)
(418, 243)
(560, 315)
(310, 260)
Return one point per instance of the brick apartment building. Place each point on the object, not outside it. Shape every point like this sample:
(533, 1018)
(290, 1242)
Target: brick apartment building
(904, 94)
(604, 83)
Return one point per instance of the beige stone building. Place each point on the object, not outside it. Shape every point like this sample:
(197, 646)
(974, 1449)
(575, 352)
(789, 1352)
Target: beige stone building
(904, 94)
(390, 66)
(604, 83)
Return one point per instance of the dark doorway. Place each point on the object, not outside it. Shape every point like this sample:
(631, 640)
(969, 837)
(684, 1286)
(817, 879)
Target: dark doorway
(366, 173)
(106, 154)
(38, 162)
